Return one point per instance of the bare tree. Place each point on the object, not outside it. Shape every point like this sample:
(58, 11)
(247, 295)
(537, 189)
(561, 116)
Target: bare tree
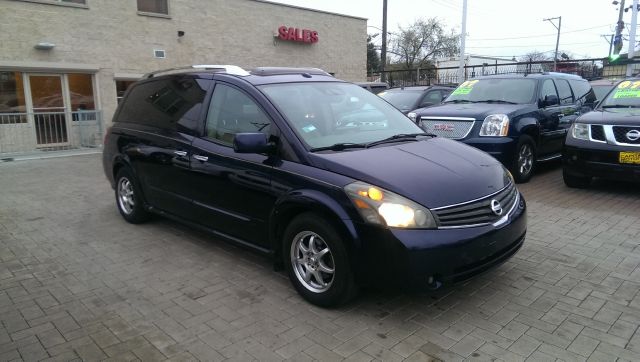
(535, 56)
(423, 40)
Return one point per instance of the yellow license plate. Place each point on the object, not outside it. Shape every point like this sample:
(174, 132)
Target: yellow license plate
(630, 157)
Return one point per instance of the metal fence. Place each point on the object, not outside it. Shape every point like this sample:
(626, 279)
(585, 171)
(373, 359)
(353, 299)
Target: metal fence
(49, 131)
(590, 69)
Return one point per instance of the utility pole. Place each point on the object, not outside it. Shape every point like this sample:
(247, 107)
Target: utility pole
(462, 41)
(555, 57)
(632, 37)
(617, 40)
(383, 51)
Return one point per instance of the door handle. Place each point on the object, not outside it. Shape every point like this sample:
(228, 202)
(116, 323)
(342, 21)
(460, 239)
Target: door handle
(201, 158)
(180, 153)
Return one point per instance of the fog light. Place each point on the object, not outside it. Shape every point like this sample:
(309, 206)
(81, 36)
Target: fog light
(430, 280)
(574, 157)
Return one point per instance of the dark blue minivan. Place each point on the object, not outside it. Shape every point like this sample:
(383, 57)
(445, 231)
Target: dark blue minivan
(334, 183)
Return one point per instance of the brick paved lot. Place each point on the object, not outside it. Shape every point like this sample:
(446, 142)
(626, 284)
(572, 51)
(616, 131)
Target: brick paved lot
(77, 282)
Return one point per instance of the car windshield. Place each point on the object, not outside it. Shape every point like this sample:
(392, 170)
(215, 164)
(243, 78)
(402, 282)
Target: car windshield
(403, 100)
(625, 95)
(330, 113)
(495, 90)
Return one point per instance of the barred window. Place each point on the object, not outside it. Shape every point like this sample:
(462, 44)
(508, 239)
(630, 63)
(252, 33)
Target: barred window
(154, 6)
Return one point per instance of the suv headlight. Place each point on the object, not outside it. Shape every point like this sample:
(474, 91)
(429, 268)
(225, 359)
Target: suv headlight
(382, 207)
(495, 125)
(412, 116)
(580, 131)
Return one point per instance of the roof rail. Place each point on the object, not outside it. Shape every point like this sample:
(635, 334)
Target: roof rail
(287, 70)
(229, 69)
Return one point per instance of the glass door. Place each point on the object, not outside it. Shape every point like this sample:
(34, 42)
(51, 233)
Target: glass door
(49, 111)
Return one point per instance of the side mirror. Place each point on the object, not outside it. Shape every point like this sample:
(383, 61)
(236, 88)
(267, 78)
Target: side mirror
(252, 143)
(550, 100)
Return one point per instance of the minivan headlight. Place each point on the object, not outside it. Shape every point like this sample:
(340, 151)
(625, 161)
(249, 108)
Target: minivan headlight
(495, 125)
(580, 131)
(412, 116)
(382, 207)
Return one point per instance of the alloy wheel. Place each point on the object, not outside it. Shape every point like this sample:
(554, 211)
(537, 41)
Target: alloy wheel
(312, 262)
(125, 196)
(525, 159)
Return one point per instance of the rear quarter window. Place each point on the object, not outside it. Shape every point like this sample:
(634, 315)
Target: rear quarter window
(172, 103)
(582, 90)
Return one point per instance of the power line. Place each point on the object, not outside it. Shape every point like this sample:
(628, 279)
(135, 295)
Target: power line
(528, 45)
(540, 35)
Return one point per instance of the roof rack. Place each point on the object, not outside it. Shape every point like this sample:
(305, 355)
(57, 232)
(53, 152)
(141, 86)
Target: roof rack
(263, 71)
(229, 69)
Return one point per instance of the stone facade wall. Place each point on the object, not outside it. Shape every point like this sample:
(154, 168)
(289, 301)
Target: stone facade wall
(115, 37)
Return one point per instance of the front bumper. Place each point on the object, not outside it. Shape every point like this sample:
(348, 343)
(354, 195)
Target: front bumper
(409, 258)
(502, 149)
(582, 161)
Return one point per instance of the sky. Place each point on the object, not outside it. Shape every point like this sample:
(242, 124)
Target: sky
(499, 28)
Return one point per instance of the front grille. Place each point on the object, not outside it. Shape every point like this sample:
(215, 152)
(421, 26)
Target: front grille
(597, 133)
(448, 128)
(620, 133)
(478, 212)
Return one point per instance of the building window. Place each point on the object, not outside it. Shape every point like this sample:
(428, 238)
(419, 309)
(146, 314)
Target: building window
(81, 92)
(121, 87)
(12, 98)
(153, 6)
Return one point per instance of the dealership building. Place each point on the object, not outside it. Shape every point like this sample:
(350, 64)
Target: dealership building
(65, 64)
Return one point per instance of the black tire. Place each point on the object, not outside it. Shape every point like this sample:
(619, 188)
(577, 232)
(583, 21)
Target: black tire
(341, 285)
(522, 169)
(131, 207)
(576, 181)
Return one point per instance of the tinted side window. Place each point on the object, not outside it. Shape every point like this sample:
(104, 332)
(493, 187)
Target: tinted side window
(564, 91)
(548, 89)
(432, 97)
(231, 111)
(582, 90)
(173, 103)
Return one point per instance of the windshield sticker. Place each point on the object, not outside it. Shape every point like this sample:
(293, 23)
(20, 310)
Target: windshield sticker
(628, 89)
(466, 87)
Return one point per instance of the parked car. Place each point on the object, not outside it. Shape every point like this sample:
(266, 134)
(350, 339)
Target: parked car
(406, 99)
(518, 119)
(602, 86)
(264, 159)
(374, 87)
(606, 142)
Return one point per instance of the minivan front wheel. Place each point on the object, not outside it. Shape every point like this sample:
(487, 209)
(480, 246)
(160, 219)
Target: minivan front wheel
(525, 160)
(129, 198)
(317, 261)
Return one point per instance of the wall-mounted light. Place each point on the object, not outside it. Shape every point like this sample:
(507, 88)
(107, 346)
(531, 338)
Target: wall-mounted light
(44, 46)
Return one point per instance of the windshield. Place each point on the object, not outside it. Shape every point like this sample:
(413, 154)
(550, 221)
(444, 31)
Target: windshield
(497, 89)
(403, 100)
(329, 113)
(625, 94)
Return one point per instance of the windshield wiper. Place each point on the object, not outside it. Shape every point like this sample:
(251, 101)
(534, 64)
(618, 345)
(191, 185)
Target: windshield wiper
(339, 147)
(399, 137)
(459, 101)
(619, 106)
(495, 101)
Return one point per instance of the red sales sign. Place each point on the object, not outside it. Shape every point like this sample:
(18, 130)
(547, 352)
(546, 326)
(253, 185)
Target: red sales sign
(297, 34)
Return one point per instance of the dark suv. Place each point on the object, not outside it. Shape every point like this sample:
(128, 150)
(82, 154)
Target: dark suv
(606, 142)
(333, 182)
(518, 119)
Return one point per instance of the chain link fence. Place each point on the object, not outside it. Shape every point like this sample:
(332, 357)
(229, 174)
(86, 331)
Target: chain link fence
(590, 69)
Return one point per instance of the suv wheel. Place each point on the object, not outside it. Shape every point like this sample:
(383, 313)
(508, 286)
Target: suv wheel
(525, 160)
(576, 181)
(128, 198)
(317, 261)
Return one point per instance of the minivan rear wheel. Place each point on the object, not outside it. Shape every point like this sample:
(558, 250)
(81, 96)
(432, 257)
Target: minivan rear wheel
(317, 261)
(129, 198)
(525, 160)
